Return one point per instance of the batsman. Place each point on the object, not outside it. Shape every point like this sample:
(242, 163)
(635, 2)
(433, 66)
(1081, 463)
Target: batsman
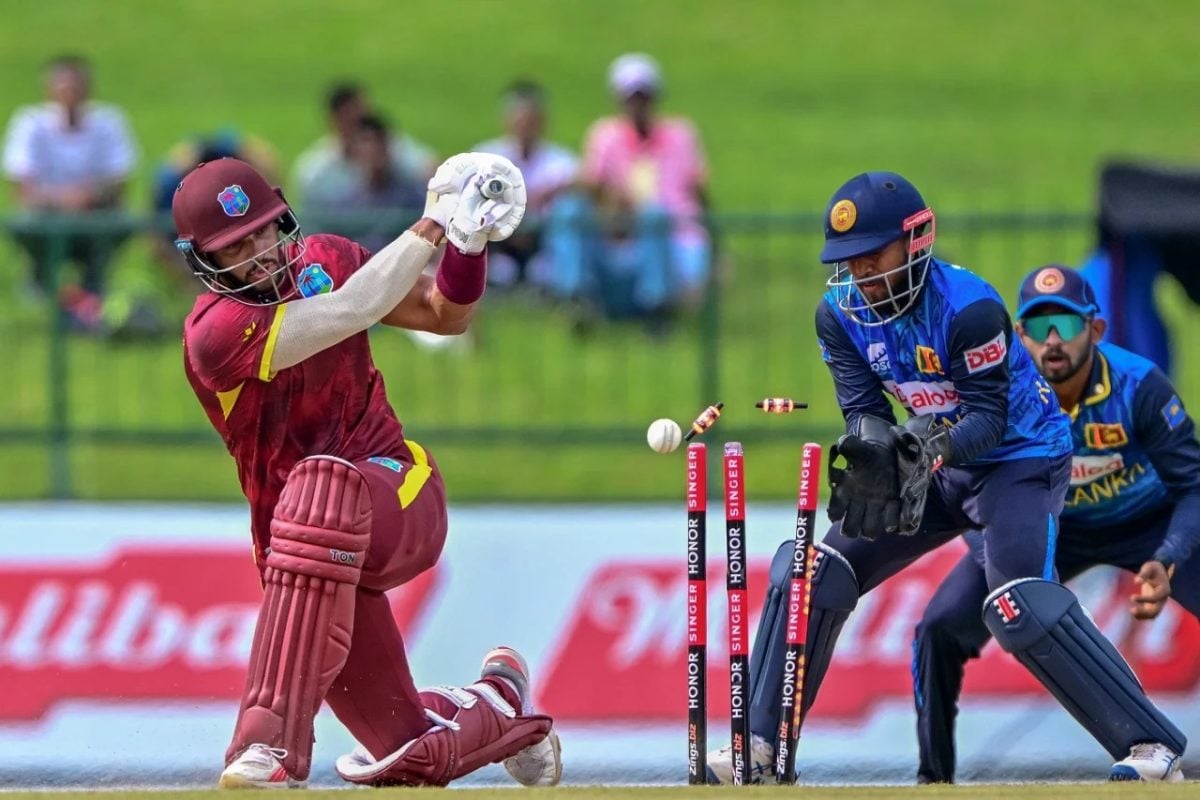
(985, 448)
(343, 505)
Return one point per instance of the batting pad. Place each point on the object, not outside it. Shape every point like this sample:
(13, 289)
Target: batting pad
(1043, 625)
(319, 539)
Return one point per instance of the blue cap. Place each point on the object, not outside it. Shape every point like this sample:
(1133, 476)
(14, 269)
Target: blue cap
(1056, 285)
(868, 213)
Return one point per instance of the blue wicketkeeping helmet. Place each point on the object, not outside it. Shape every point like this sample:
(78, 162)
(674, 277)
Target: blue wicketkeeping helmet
(869, 212)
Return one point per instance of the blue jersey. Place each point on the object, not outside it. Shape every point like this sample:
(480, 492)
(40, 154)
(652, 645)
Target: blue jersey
(1135, 452)
(951, 355)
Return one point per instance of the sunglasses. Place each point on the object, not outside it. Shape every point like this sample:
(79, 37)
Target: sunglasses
(1068, 326)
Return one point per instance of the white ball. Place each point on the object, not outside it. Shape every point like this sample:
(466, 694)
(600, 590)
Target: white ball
(664, 435)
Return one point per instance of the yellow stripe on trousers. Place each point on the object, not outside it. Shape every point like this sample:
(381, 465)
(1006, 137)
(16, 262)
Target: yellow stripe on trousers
(413, 482)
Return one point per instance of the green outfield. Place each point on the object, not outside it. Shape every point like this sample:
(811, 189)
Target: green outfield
(989, 107)
(1013, 791)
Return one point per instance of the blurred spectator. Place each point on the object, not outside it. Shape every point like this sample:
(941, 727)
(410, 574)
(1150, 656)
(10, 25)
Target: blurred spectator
(549, 169)
(69, 156)
(381, 186)
(326, 173)
(647, 176)
(395, 195)
(181, 159)
(1148, 227)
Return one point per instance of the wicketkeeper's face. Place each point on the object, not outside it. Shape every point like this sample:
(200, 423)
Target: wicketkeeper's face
(871, 272)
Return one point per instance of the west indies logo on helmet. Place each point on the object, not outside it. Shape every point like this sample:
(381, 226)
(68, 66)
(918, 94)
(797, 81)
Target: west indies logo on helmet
(865, 215)
(234, 200)
(218, 204)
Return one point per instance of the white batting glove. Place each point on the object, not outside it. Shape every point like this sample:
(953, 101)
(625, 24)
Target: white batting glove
(491, 207)
(446, 185)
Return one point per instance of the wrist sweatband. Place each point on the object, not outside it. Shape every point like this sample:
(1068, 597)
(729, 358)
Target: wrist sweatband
(461, 278)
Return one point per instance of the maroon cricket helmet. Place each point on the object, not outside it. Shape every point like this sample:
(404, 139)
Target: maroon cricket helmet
(219, 203)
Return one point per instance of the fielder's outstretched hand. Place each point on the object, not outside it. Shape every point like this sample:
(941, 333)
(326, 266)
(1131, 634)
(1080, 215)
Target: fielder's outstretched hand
(1154, 587)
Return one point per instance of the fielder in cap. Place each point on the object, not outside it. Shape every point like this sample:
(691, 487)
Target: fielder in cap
(343, 506)
(985, 448)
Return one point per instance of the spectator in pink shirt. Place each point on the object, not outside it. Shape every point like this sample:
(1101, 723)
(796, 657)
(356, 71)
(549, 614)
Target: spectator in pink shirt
(646, 174)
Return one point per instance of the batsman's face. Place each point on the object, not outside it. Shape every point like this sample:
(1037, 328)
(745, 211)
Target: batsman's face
(1066, 341)
(254, 258)
(871, 272)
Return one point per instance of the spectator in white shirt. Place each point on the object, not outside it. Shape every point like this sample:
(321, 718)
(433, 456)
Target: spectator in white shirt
(69, 156)
(549, 169)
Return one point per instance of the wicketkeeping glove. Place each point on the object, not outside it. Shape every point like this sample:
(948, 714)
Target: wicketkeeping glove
(866, 492)
(922, 446)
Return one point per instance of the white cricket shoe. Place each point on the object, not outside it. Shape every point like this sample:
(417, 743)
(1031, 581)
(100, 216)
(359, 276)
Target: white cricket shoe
(260, 767)
(762, 762)
(1148, 762)
(540, 764)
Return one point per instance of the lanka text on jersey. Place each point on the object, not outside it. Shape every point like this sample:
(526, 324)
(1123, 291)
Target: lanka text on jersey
(1112, 478)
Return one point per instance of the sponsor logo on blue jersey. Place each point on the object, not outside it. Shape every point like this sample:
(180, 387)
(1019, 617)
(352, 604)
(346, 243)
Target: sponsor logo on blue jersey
(877, 357)
(987, 355)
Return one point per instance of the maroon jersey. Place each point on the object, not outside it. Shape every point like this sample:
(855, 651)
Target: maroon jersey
(333, 403)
